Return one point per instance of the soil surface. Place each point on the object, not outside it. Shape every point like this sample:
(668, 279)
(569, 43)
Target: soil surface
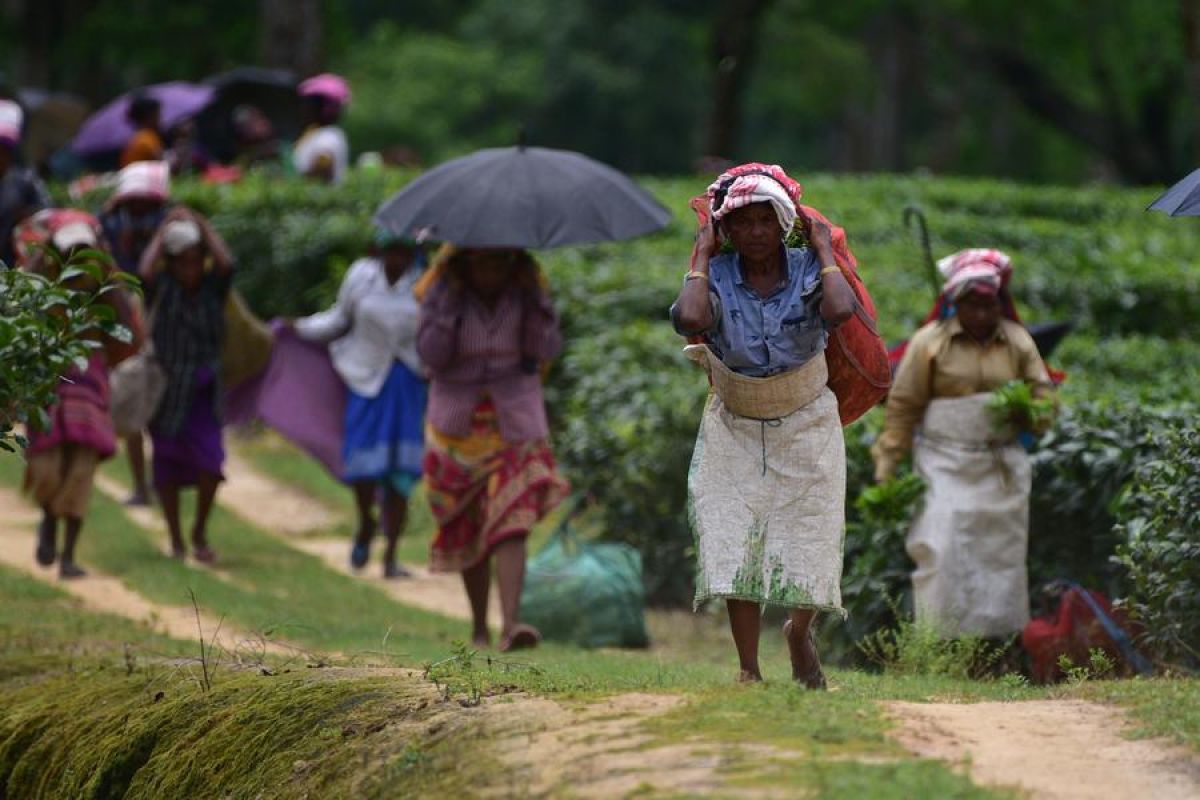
(107, 594)
(1052, 749)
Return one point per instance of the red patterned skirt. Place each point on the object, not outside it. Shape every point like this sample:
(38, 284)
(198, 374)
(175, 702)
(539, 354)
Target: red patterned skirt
(484, 491)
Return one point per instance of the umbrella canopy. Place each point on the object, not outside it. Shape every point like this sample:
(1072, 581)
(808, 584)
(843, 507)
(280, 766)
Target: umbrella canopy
(108, 129)
(51, 120)
(272, 91)
(527, 197)
(1182, 199)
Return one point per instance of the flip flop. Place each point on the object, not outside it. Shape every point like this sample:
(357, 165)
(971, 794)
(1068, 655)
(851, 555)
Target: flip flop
(360, 554)
(395, 570)
(814, 678)
(523, 637)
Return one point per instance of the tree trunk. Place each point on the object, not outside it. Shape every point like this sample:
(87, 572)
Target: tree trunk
(735, 27)
(1189, 15)
(291, 35)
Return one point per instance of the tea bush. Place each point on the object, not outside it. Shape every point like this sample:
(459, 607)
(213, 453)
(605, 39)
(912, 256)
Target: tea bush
(1160, 548)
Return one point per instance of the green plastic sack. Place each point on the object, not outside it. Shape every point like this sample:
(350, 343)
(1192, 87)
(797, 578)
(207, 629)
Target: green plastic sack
(586, 593)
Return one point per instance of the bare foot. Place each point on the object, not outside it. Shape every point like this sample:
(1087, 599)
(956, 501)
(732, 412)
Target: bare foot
(806, 663)
(521, 637)
(749, 676)
(69, 569)
(139, 498)
(481, 641)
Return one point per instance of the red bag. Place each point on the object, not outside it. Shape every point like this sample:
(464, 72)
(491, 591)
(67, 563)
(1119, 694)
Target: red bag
(1084, 620)
(859, 371)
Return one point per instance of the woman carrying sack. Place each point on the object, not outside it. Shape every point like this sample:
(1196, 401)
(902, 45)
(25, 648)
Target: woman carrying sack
(188, 271)
(61, 461)
(768, 477)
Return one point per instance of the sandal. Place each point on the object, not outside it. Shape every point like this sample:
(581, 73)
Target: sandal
(813, 677)
(523, 637)
(395, 570)
(360, 554)
(46, 552)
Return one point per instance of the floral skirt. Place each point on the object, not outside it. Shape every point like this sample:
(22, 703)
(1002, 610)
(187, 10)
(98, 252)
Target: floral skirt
(484, 491)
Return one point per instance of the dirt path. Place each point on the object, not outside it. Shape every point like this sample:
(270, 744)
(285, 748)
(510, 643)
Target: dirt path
(107, 594)
(257, 498)
(1052, 749)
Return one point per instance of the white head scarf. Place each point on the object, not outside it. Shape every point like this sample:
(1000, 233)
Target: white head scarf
(755, 188)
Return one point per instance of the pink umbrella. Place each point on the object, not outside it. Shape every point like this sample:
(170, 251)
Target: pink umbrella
(109, 128)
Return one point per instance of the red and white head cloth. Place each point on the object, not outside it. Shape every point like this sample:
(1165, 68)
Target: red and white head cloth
(978, 269)
(150, 180)
(756, 183)
(11, 118)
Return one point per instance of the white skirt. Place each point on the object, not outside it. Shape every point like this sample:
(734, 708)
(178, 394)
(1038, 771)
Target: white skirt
(767, 502)
(970, 539)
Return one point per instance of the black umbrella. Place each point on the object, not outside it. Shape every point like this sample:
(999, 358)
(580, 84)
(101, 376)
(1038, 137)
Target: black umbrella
(528, 197)
(1182, 199)
(272, 91)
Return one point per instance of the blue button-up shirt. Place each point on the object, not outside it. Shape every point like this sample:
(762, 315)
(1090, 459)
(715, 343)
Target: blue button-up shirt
(759, 336)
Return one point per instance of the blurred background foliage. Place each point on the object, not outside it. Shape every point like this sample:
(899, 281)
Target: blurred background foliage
(1053, 90)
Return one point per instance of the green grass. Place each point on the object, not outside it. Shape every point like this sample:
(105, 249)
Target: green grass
(81, 715)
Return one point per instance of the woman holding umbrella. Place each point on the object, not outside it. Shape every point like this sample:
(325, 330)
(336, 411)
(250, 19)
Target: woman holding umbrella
(146, 143)
(322, 152)
(767, 484)
(487, 327)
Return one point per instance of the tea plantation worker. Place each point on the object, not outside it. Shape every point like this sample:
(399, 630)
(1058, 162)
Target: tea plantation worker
(146, 143)
(21, 192)
(129, 220)
(767, 484)
(61, 461)
(372, 330)
(969, 540)
(322, 152)
(487, 327)
(188, 271)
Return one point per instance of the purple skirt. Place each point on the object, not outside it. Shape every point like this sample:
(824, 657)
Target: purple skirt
(197, 449)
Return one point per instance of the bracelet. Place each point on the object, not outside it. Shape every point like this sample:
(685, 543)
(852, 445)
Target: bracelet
(692, 274)
(828, 270)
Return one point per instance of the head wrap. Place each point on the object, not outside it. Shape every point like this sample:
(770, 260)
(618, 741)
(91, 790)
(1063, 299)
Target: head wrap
(978, 269)
(143, 179)
(11, 118)
(756, 183)
(179, 235)
(74, 234)
(327, 85)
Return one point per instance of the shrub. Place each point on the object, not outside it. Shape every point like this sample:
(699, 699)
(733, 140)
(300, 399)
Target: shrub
(45, 329)
(1160, 548)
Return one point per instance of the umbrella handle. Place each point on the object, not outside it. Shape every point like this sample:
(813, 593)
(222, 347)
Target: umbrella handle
(915, 214)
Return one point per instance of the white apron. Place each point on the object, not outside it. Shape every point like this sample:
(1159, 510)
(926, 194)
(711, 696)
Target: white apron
(766, 498)
(970, 539)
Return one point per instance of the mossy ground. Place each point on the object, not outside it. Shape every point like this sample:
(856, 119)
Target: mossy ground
(98, 706)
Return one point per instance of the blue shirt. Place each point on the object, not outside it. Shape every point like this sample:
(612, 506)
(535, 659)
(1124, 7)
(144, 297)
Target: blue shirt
(759, 336)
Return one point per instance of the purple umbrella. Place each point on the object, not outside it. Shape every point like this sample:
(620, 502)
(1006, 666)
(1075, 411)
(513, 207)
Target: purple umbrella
(108, 129)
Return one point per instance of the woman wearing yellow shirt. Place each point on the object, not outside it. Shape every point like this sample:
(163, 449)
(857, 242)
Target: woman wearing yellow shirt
(970, 538)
